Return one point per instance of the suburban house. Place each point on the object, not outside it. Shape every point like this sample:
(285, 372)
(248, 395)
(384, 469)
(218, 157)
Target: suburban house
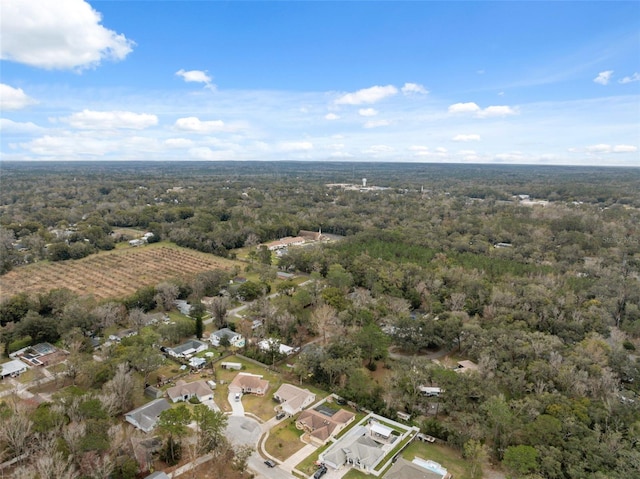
(197, 363)
(293, 399)
(41, 354)
(321, 424)
(120, 335)
(269, 343)
(146, 417)
(247, 383)
(235, 339)
(285, 243)
(188, 349)
(430, 391)
(466, 366)
(184, 391)
(417, 469)
(358, 450)
(12, 368)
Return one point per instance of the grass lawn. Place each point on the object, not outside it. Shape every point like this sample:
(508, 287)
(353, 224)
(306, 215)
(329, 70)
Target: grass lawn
(308, 465)
(284, 440)
(446, 456)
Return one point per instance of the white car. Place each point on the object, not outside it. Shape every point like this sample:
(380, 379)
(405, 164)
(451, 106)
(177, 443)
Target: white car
(237, 397)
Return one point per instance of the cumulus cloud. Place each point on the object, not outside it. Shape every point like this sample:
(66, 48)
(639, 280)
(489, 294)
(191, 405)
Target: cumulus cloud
(499, 110)
(605, 148)
(490, 111)
(196, 76)
(624, 149)
(178, 143)
(14, 98)
(630, 79)
(331, 116)
(367, 95)
(464, 108)
(196, 125)
(110, 120)
(65, 34)
(466, 138)
(603, 78)
(376, 123)
(367, 112)
(441, 149)
(18, 127)
(414, 88)
(377, 149)
(69, 146)
(295, 146)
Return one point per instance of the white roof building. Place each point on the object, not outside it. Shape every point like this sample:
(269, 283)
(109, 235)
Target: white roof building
(12, 368)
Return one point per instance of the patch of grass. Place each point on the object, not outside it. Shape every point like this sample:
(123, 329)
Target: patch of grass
(308, 465)
(355, 474)
(284, 440)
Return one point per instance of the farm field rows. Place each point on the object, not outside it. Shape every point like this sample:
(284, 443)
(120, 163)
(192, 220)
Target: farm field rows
(112, 274)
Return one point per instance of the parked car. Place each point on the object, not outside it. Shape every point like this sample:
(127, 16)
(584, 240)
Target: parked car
(270, 463)
(320, 472)
(280, 415)
(237, 397)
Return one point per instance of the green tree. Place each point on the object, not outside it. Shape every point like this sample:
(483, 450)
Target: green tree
(174, 422)
(520, 460)
(372, 342)
(211, 428)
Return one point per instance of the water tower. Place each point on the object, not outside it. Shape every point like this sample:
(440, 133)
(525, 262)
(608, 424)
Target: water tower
(364, 182)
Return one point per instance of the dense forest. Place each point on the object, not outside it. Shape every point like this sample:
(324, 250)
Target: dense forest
(531, 272)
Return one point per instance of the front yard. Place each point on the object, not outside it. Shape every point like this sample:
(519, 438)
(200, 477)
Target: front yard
(284, 440)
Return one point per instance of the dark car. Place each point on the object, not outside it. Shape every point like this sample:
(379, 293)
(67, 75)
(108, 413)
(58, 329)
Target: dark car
(280, 415)
(270, 463)
(320, 472)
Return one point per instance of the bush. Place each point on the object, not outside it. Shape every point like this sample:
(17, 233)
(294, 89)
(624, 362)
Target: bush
(628, 345)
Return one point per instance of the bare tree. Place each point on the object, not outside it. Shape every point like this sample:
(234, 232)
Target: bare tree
(218, 307)
(16, 431)
(118, 391)
(166, 294)
(73, 434)
(96, 465)
(323, 318)
(137, 318)
(110, 314)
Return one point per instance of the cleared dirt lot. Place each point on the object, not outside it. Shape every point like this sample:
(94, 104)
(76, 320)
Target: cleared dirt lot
(113, 274)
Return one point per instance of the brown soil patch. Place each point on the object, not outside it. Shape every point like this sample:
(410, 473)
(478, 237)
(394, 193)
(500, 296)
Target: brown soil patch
(113, 274)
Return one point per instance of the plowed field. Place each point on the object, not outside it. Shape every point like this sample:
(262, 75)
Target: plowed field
(113, 274)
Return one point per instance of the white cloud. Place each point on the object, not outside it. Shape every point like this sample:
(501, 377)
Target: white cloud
(625, 149)
(376, 123)
(600, 148)
(440, 149)
(69, 146)
(630, 79)
(14, 98)
(490, 111)
(467, 152)
(378, 149)
(196, 125)
(464, 108)
(418, 148)
(411, 88)
(510, 157)
(466, 138)
(331, 116)
(367, 95)
(178, 143)
(295, 146)
(196, 76)
(367, 112)
(110, 120)
(603, 77)
(17, 127)
(501, 110)
(65, 34)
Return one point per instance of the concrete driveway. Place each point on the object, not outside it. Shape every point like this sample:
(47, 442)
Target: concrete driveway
(237, 409)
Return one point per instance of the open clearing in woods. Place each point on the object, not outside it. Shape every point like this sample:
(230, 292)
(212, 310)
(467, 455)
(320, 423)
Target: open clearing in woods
(112, 274)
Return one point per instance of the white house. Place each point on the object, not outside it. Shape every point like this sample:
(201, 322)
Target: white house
(270, 343)
(184, 391)
(146, 417)
(293, 399)
(235, 339)
(188, 349)
(12, 368)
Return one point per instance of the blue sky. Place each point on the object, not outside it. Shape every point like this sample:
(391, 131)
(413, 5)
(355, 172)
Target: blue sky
(459, 82)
